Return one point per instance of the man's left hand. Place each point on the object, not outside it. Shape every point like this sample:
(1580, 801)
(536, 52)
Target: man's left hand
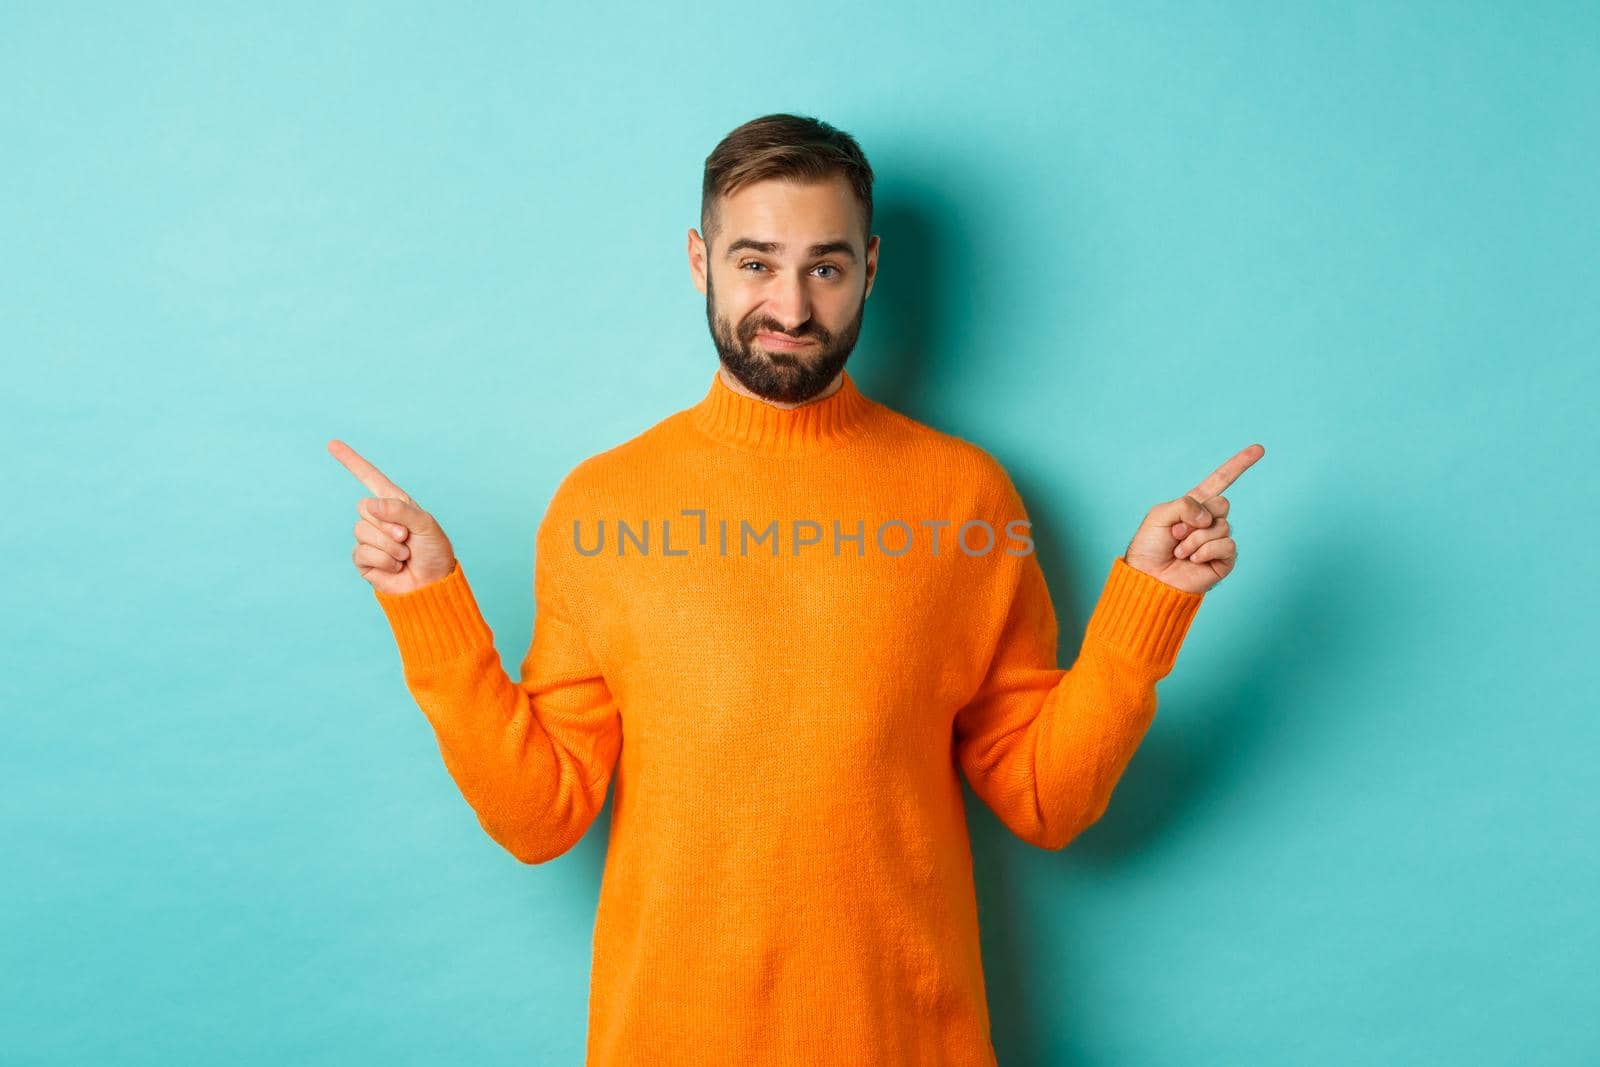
(1187, 542)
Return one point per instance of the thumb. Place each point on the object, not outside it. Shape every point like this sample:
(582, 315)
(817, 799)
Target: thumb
(404, 512)
(1184, 509)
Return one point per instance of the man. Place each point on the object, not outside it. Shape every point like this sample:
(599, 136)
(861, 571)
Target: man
(810, 615)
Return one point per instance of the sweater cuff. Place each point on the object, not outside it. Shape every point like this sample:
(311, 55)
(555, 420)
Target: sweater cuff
(1142, 618)
(436, 621)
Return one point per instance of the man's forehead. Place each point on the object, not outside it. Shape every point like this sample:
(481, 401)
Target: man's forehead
(782, 216)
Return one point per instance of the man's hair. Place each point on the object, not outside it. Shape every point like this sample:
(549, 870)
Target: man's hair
(793, 147)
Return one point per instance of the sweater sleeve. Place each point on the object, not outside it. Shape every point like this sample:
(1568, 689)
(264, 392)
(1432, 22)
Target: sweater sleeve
(1045, 747)
(533, 758)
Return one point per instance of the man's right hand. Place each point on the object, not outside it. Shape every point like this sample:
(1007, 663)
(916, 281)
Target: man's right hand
(399, 548)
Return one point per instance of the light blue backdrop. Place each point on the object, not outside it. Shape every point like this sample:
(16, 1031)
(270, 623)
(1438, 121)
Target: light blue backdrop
(1120, 242)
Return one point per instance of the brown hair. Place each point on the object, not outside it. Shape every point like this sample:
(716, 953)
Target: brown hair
(795, 147)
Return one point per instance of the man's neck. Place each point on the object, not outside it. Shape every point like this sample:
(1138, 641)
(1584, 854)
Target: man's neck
(738, 387)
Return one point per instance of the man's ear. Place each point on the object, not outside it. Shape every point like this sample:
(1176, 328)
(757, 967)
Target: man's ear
(872, 265)
(697, 260)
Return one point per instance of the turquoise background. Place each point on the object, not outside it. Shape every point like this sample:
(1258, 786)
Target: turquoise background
(1120, 242)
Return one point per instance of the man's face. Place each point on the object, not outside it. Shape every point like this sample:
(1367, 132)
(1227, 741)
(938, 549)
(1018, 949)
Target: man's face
(786, 284)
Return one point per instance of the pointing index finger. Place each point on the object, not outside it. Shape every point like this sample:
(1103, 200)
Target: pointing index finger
(365, 472)
(1224, 476)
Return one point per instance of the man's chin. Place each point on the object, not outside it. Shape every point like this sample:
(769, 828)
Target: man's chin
(795, 391)
(780, 382)
(787, 371)
(786, 367)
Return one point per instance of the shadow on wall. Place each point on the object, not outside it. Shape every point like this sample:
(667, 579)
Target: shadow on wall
(1203, 744)
(904, 356)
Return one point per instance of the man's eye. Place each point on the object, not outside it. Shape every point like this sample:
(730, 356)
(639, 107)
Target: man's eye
(763, 266)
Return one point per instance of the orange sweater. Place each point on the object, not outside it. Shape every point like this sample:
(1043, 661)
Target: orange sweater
(783, 710)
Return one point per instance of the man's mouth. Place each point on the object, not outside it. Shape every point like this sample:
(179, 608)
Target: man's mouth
(778, 340)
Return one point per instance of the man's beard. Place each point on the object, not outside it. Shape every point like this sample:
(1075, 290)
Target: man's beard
(788, 377)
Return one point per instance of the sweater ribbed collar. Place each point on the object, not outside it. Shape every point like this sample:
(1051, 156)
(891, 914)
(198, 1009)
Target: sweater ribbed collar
(757, 426)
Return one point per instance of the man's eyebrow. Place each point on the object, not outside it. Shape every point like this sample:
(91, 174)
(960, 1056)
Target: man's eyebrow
(769, 247)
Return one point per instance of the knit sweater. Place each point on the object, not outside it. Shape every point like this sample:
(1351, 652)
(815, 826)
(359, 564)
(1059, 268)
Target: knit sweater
(777, 636)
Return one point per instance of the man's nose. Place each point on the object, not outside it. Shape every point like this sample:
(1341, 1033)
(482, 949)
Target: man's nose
(791, 305)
